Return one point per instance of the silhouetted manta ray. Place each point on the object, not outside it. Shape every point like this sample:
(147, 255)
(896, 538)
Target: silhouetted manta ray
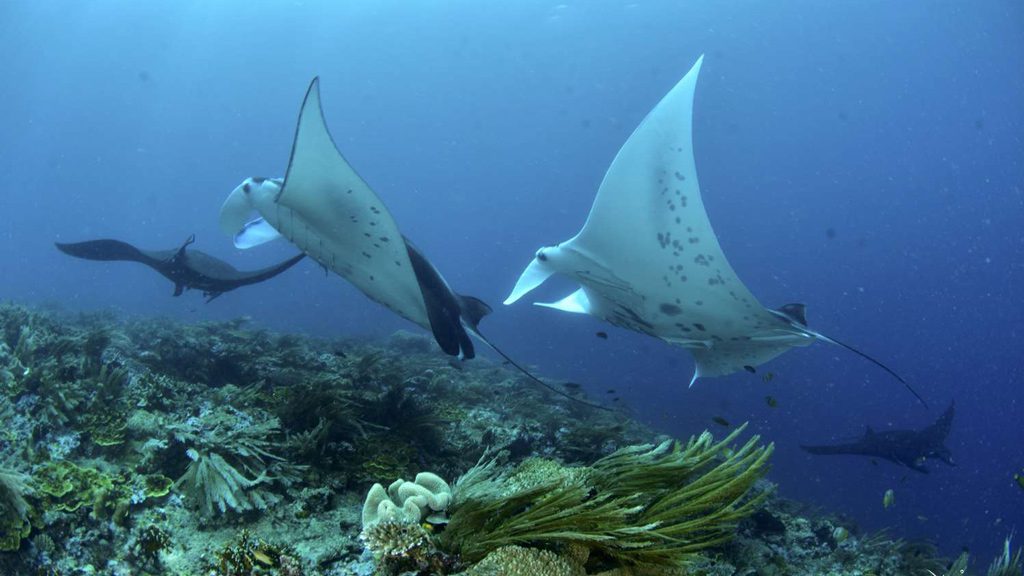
(648, 260)
(326, 209)
(908, 447)
(188, 269)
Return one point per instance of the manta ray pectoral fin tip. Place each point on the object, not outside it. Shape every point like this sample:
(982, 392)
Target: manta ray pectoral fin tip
(534, 275)
(576, 303)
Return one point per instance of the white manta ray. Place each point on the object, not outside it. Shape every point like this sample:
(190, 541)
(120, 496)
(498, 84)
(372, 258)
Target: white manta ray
(648, 260)
(329, 212)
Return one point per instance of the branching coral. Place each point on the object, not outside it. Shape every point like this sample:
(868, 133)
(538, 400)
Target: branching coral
(646, 506)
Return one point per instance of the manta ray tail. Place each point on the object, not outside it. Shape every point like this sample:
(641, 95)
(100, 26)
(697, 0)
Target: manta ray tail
(535, 379)
(872, 360)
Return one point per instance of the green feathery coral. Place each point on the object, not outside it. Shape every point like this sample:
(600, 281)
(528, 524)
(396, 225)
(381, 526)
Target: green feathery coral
(646, 506)
(1006, 564)
(14, 510)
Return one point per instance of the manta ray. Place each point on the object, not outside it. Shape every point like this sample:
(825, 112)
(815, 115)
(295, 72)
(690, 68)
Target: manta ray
(188, 269)
(648, 260)
(326, 209)
(911, 448)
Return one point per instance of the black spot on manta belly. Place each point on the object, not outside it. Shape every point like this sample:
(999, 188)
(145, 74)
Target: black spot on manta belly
(679, 176)
(670, 309)
(699, 326)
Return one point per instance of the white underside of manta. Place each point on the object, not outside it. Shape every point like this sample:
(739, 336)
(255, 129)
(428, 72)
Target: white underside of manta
(648, 260)
(329, 212)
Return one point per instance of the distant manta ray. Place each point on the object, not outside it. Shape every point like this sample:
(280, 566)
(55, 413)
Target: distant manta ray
(911, 448)
(326, 209)
(188, 269)
(648, 260)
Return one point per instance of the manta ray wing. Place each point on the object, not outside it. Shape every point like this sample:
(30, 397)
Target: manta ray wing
(647, 258)
(326, 209)
(329, 211)
(113, 250)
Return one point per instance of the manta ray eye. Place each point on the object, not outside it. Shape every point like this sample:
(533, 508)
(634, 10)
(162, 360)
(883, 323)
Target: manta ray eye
(246, 188)
(541, 256)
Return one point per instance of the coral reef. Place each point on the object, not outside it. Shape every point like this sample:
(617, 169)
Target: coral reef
(649, 507)
(150, 447)
(14, 510)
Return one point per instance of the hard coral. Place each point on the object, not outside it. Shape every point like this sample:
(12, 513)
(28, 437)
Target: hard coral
(519, 561)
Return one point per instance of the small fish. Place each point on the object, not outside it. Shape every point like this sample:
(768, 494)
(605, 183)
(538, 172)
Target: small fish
(571, 385)
(262, 558)
(616, 399)
(921, 518)
(721, 421)
(610, 391)
(839, 534)
(601, 335)
(771, 401)
(750, 369)
(888, 499)
(1019, 479)
(768, 376)
(874, 462)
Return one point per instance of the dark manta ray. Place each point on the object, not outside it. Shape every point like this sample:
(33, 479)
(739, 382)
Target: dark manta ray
(326, 209)
(188, 269)
(908, 447)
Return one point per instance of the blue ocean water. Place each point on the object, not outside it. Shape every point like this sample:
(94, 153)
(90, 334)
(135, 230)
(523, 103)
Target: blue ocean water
(862, 157)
